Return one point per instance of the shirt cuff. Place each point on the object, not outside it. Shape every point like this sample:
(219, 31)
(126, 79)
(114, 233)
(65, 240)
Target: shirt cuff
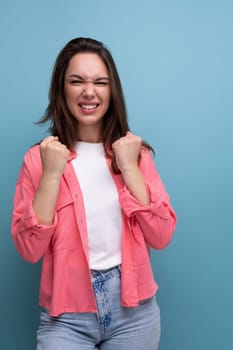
(131, 206)
(30, 221)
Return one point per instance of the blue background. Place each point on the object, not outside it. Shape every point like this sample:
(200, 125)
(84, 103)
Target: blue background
(175, 61)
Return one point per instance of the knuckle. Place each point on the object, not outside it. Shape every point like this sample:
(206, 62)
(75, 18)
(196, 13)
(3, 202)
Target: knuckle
(42, 146)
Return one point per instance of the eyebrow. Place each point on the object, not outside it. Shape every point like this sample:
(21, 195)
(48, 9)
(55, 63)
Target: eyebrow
(81, 78)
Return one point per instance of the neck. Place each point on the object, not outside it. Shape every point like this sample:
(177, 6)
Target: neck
(91, 135)
(90, 139)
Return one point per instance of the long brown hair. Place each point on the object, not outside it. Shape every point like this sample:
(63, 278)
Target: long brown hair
(62, 123)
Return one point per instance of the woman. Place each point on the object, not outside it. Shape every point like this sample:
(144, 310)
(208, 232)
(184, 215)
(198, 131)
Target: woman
(91, 203)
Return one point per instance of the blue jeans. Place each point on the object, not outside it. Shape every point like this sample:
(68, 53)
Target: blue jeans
(113, 328)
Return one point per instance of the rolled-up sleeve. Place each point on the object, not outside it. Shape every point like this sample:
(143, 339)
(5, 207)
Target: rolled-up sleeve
(31, 239)
(157, 220)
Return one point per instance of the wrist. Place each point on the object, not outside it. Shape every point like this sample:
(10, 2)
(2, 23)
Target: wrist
(49, 177)
(129, 168)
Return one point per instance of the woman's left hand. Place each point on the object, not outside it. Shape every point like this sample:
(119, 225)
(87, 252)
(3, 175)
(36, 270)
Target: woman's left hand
(127, 150)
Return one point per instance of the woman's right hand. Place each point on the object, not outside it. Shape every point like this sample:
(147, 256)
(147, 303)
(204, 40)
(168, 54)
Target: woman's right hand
(54, 156)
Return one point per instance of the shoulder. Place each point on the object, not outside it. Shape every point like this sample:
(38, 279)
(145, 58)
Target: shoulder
(147, 164)
(31, 167)
(146, 155)
(32, 152)
(32, 159)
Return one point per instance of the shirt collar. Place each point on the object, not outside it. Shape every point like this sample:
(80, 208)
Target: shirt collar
(73, 154)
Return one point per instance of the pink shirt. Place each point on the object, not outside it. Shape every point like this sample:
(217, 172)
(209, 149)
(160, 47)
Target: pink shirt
(65, 279)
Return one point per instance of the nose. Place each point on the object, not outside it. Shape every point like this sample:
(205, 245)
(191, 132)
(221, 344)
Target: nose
(88, 90)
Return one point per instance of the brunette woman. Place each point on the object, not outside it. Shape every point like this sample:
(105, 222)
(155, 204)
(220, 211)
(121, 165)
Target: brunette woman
(90, 202)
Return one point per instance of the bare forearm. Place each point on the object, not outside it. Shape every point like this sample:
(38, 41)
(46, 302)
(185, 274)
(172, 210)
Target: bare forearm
(54, 156)
(134, 180)
(45, 198)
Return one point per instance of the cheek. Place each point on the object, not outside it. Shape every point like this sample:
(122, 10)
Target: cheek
(70, 101)
(72, 92)
(69, 94)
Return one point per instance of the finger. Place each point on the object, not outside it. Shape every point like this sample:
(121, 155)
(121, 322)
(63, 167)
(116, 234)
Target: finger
(139, 139)
(129, 136)
(133, 137)
(115, 143)
(49, 139)
(114, 146)
(119, 142)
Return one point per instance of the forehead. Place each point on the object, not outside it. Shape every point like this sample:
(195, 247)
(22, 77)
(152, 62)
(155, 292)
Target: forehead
(88, 65)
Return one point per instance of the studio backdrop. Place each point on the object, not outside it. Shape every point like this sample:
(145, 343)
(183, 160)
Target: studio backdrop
(175, 62)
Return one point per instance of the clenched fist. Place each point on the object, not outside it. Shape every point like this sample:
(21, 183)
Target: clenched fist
(54, 156)
(127, 150)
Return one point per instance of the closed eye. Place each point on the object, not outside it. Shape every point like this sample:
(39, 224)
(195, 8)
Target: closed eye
(101, 83)
(76, 82)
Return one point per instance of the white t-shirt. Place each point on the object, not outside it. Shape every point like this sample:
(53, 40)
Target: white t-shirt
(103, 211)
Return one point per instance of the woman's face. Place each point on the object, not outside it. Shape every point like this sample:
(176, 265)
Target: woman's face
(87, 93)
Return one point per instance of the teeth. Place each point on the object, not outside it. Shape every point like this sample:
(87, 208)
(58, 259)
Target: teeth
(89, 106)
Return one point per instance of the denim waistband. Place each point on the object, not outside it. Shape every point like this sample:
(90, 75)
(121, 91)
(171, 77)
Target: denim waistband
(105, 274)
